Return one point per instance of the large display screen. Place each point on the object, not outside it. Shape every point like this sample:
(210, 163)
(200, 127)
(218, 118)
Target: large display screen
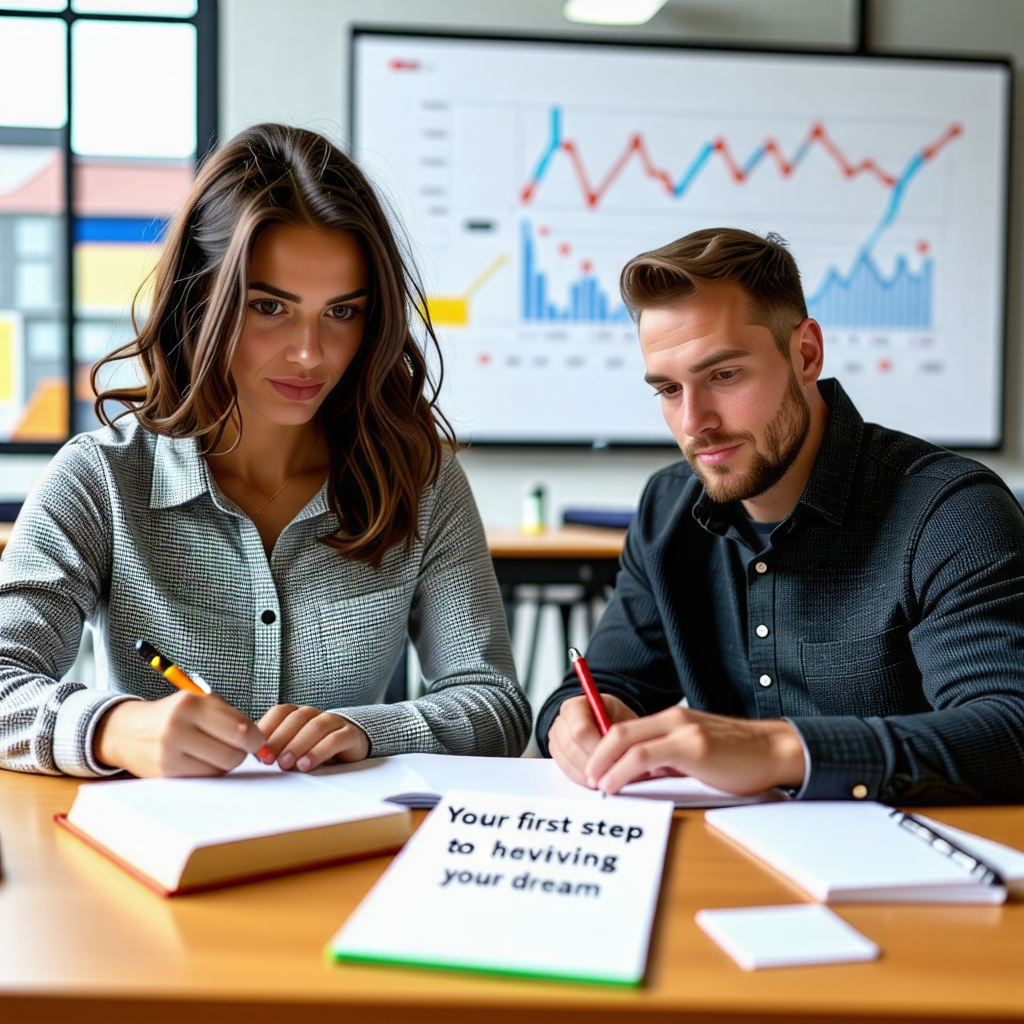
(527, 172)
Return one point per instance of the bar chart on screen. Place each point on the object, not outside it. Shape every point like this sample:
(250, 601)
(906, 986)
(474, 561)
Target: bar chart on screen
(886, 179)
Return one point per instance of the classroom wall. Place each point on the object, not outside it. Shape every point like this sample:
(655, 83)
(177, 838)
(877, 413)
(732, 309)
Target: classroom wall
(289, 63)
(295, 69)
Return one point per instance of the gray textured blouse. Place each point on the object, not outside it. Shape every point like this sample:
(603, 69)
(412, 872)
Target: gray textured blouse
(127, 531)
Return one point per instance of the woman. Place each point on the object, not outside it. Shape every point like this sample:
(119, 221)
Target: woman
(275, 510)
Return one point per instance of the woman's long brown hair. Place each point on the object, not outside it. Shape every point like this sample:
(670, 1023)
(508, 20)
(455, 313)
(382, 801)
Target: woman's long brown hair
(383, 428)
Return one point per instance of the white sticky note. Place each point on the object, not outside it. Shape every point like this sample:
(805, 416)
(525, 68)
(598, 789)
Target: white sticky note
(788, 936)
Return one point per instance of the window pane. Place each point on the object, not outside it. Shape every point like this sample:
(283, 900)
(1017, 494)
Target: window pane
(35, 5)
(33, 352)
(33, 79)
(122, 209)
(134, 89)
(162, 8)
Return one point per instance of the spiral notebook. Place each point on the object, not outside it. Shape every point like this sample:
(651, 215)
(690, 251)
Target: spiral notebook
(843, 852)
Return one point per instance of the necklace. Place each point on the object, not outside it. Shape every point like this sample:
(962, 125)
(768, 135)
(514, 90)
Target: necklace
(305, 462)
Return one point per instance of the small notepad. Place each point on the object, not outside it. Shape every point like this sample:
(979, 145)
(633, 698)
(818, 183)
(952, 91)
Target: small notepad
(788, 936)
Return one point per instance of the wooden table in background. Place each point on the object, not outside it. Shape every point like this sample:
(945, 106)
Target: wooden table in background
(5, 534)
(81, 942)
(568, 543)
(583, 557)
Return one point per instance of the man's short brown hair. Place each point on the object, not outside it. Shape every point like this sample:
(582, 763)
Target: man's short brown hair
(763, 267)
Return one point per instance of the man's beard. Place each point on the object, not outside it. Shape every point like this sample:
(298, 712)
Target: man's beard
(783, 438)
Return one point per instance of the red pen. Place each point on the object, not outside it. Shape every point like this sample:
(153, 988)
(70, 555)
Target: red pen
(590, 690)
(156, 661)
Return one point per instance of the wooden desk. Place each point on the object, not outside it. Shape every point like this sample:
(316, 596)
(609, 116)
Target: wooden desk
(83, 943)
(567, 542)
(585, 557)
(5, 534)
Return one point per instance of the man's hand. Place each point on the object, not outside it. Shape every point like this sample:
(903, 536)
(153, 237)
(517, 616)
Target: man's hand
(184, 734)
(735, 754)
(574, 733)
(304, 737)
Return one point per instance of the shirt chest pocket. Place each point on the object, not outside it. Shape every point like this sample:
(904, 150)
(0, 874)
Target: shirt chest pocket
(349, 647)
(864, 676)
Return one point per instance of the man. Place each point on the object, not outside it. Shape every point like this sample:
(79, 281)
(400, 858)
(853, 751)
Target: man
(841, 605)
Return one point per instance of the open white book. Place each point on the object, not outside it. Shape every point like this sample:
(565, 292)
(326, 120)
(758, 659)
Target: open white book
(419, 780)
(551, 887)
(183, 835)
(845, 852)
(180, 835)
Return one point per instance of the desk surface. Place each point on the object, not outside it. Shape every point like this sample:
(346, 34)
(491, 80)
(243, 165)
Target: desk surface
(580, 542)
(5, 533)
(82, 939)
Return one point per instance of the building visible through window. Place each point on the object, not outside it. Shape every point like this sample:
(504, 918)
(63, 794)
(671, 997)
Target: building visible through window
(122, 93)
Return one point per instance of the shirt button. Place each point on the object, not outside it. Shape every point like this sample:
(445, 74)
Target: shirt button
(859, 791)
(761, 566)
(761, 630)
(765, 680)
(268, 617)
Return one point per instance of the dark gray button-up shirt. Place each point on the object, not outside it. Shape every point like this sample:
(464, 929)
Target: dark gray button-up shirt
(884, 618)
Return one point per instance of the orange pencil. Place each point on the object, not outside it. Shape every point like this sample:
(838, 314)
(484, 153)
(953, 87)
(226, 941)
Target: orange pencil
(152, 657)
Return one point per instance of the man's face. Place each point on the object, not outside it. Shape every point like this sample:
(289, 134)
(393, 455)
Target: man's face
(732, 402)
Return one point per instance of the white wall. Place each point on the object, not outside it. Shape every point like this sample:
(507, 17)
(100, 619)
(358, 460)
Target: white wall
(288, 62)
(309, 85)
(294, 69)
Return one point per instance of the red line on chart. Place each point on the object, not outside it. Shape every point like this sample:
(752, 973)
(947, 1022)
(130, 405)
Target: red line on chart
(769, 150)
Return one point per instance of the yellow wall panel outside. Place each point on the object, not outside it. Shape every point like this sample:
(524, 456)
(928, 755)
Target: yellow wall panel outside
(108, 275)
(7, 353)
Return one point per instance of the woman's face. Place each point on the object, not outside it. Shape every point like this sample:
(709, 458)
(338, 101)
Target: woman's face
(303, 323)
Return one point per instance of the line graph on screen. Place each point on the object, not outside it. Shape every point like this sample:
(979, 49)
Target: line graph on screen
(886, 177)
(859, 295)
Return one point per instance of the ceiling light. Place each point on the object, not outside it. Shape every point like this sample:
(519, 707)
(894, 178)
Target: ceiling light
(611, 12)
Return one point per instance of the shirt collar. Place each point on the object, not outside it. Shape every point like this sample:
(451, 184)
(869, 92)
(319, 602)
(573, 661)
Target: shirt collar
(180, 473)
(828, 487)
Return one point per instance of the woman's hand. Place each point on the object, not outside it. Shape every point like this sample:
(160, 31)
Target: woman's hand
(184, 734)
(304, 737)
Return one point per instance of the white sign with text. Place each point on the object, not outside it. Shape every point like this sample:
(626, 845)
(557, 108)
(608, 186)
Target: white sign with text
(520, 885)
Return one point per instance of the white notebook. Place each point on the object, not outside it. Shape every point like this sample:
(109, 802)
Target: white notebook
(418, 780)
(843, 852)
(542, 887)
(1005, 859)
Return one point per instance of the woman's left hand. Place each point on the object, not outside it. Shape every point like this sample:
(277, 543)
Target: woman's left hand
(304, 737)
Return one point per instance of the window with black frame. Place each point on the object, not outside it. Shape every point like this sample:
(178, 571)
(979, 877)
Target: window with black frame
(105, 108)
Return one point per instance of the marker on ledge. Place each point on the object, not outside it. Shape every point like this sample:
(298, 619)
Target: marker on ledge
(597, 707)
(152, 657)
